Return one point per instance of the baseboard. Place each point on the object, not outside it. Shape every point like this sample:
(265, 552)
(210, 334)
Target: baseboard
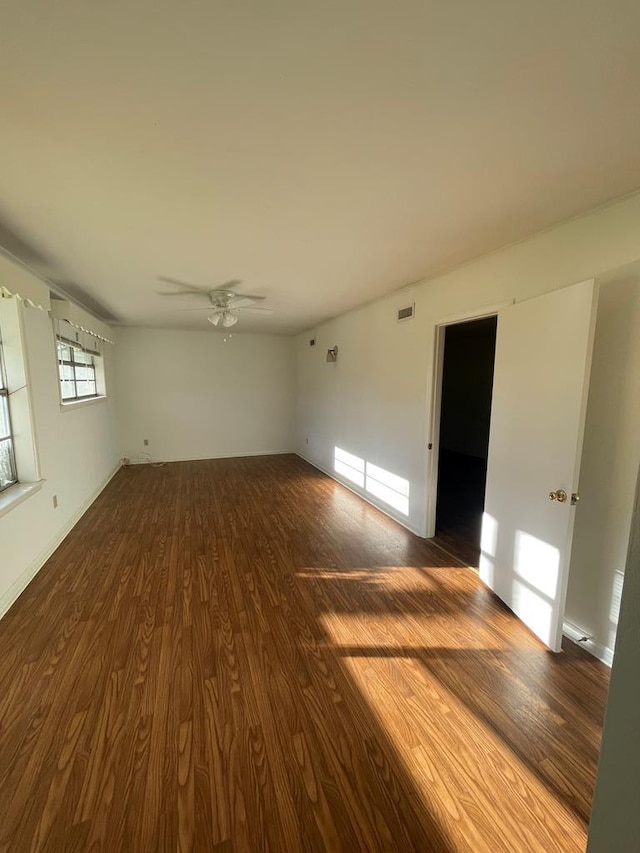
(364, 497)
(23, 580)
(135, 458)
(591, 645)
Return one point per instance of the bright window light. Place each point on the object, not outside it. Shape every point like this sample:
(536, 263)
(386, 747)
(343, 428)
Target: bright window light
(614, 612)
(533, 609)
(398, 484)
(489, 537)
(350, 473)
(390, 488)
(537, 563)
(616, 597)
(349, 459)
(349, 466)
(486, 569)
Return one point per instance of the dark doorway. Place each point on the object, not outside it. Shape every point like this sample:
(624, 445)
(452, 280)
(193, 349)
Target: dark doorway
(465, 415)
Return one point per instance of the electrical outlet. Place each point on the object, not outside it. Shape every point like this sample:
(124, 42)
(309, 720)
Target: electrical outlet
(307, 440)
(55, 502)
(146, 442)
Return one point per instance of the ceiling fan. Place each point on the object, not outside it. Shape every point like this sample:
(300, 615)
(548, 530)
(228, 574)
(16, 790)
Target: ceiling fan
(223, 302)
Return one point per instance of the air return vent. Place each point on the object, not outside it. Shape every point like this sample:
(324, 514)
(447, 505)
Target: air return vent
(406, 313)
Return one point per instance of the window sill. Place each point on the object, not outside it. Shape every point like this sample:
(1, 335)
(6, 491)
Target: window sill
(14, 495)
(80, 404)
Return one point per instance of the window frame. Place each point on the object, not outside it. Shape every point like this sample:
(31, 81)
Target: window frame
(4, 402)
(72, 346)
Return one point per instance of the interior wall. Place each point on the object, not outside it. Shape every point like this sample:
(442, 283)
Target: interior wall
(467, 380)
(374, 402)
(193, 396)
(615, 818)
(609, 463)
(77, 454)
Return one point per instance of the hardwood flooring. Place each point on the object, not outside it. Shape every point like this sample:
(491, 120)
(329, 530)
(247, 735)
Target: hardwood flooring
(241, 655)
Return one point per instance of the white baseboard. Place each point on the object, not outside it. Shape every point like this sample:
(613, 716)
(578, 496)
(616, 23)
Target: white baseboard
(364, 497)
(591, 645)
(24, 579)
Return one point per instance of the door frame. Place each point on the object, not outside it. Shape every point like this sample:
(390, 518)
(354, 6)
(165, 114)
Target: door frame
(435, 396)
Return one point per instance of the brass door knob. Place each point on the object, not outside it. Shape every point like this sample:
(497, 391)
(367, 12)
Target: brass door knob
(560, 495)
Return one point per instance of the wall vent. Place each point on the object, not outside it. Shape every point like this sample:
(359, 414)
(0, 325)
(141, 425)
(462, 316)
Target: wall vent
(406, 313)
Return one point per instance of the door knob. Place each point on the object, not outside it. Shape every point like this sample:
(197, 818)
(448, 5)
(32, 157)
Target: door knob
(560, 495)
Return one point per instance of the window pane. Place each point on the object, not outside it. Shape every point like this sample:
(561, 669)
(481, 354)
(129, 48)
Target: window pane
(85, 388)
(66, 371)
(64, 352)
(68, 389)
(7, 468)
(85, 373)
(77, 378)
(82, 357)
(4, 418)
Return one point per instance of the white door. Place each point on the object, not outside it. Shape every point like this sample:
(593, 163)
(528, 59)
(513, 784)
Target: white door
(541, 380)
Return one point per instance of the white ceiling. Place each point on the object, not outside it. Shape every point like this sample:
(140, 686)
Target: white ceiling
(325, 153)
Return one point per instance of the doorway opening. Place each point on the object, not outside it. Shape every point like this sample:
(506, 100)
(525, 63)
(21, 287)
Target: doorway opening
(463, 436)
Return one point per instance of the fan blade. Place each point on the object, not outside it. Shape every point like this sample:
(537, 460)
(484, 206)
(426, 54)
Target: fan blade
(182, 293)
(188, 287)
(253, 308)
(244, 301)
(243, 296)
(201, 308)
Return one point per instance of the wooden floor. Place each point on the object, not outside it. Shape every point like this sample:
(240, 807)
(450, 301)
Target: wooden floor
(242, 655)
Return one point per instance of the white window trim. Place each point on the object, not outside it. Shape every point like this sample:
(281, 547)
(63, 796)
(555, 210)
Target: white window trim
(16, 494)
(19, 384)
(80, 404)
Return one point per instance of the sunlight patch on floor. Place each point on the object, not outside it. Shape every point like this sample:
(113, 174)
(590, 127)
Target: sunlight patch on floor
(423, 732)
(391, 632)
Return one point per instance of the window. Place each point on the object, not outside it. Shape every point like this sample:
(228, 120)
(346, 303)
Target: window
(77, 368)
(8, 474)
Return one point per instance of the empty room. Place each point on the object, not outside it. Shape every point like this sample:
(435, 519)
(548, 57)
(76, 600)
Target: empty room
(319, 417)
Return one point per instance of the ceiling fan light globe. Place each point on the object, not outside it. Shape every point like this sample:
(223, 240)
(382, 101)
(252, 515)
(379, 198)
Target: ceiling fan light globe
(229, 319)
(214, 319)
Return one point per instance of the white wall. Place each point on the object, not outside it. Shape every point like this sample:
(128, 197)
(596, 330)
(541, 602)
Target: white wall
(193, 396)
(374, 402)
(609, 464)
(615, 817)
(77, 454)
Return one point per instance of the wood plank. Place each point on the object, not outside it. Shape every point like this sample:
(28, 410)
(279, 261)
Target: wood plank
(242, 655)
